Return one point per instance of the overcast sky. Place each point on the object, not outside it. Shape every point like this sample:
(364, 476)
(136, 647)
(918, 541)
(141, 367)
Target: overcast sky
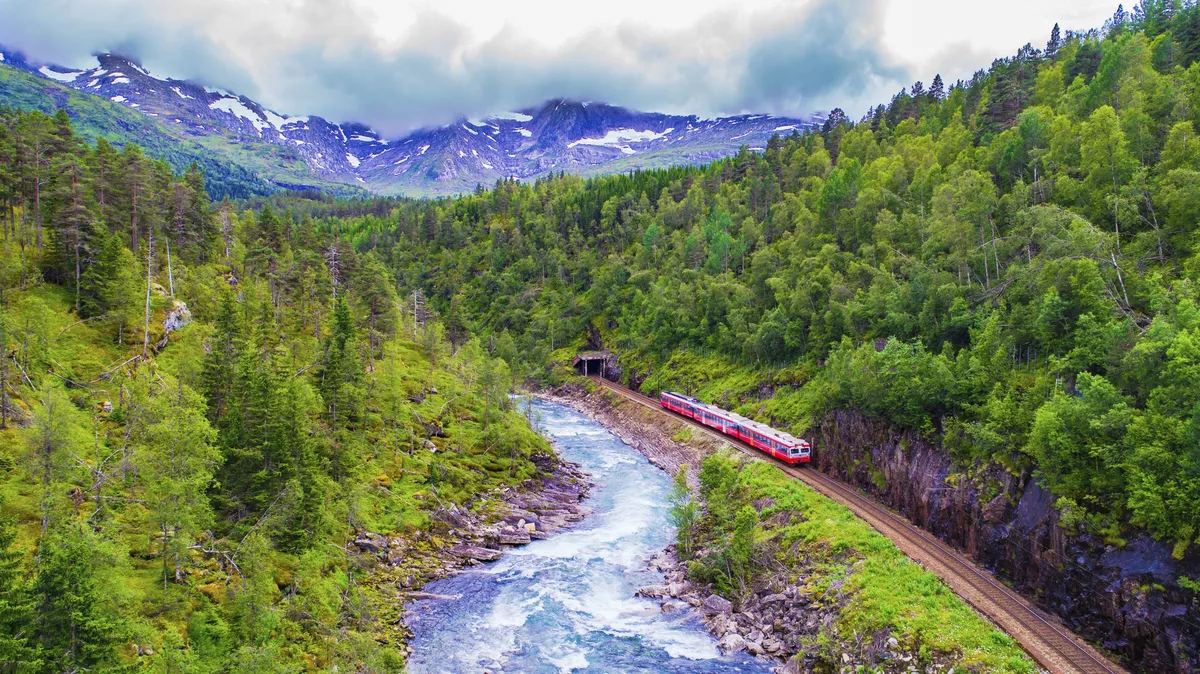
(401, 64)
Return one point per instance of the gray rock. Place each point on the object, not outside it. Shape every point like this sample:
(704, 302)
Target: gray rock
(793, 666)
(773, 598)
(732, 643)
(476, 553)
(510, 537)
(371, 542)
(653, 591)
(717, 604)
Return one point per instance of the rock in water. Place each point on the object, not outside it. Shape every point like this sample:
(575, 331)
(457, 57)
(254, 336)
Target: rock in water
(732, 643)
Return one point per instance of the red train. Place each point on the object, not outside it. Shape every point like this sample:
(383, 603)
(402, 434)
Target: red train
(778, 444)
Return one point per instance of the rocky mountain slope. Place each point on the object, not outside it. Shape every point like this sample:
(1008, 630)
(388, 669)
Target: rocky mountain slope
(308, 151)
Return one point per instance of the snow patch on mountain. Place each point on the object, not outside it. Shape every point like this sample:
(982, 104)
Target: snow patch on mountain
(513, 117)
(619, 137)
(235, 107)
(59, 77)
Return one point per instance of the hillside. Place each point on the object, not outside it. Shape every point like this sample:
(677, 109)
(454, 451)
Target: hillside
(228, 445)
(232, 167)
(188, 477)
(1004, 266)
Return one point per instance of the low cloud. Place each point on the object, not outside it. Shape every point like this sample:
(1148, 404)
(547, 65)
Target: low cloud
(323, 57)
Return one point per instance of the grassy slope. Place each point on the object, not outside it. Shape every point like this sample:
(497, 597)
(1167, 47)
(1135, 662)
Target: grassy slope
(394, 496)
(886, 589)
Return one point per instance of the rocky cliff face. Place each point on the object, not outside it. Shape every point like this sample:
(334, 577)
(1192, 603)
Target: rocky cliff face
(1125, 598)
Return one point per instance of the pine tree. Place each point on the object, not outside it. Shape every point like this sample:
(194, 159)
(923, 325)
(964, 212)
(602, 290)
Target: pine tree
(9, 183)
(303, 518)
(73, 225)
(193, 225)
(35, 152)
(112, 285)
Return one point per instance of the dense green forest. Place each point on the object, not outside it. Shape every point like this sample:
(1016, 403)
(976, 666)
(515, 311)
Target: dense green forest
(194, 491)
(1008, 262)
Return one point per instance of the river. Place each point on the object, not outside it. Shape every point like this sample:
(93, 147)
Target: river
(566, 604)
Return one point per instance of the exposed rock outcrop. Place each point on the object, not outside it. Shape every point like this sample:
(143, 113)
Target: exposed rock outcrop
(1126, 599)
(460, 537)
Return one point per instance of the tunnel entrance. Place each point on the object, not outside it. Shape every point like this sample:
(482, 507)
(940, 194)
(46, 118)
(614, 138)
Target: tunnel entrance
(592, 363)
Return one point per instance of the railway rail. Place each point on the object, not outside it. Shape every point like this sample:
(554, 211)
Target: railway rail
(1050, 643)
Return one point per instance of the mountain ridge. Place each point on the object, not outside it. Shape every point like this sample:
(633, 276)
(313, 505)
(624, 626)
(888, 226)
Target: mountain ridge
(559, 135)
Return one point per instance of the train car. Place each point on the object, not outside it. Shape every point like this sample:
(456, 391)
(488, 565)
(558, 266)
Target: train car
(762, 437)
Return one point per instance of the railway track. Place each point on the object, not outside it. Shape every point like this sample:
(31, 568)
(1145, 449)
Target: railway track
(1050, 643)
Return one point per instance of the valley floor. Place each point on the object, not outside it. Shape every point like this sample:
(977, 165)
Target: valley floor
(830, 594)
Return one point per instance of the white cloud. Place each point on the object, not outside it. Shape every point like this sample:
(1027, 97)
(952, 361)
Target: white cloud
(401, 64)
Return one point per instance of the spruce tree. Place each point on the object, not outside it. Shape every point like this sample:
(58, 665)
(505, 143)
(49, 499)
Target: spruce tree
(18, 648)
(339, 378)
(937, 90)
(1054, 43)
(75, 630)
(219, 374)
(104, 165)
(178, 458)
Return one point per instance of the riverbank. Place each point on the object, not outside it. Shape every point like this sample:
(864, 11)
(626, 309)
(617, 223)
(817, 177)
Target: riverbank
(569, 603)
(463, 537)
(830, 594)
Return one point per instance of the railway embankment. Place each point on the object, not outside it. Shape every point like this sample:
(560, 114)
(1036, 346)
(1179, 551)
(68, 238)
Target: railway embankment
(829, 593)
(1123, 595)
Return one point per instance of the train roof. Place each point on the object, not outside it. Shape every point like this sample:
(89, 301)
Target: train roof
(740, 420)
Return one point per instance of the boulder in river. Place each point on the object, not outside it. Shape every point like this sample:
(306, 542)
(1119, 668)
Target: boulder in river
(732, 643)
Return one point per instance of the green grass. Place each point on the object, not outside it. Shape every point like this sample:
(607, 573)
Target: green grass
(887, 590)
(393, 493)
